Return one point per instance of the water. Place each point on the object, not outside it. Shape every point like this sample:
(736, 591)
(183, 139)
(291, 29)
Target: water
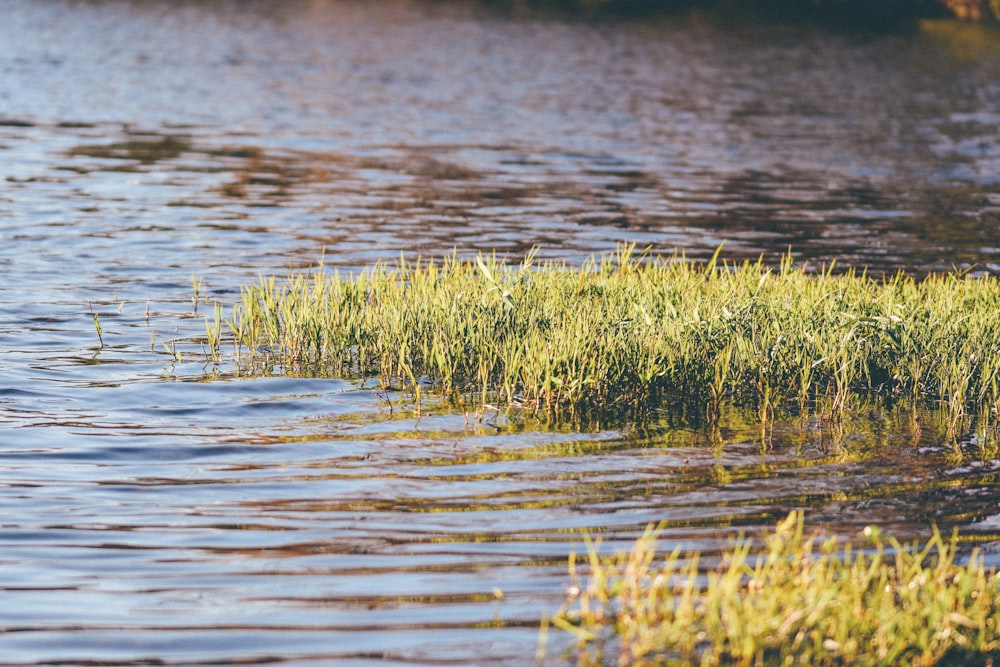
(155, 508)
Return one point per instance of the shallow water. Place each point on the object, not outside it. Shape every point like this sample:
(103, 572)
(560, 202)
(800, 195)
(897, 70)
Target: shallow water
(157, 508)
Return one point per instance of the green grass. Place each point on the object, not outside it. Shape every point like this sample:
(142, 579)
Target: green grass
(795, 601)
(635, 334)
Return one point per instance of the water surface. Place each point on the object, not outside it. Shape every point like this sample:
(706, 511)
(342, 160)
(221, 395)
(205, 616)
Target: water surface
(156, 508)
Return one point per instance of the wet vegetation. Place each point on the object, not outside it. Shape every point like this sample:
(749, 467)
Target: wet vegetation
(797, 600)
(632, 334)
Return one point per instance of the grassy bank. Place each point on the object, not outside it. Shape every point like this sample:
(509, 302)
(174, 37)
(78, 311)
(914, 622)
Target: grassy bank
(796, 601)
(623, 333)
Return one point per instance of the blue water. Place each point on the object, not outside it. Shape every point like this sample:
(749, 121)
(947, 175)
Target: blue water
(159, 508)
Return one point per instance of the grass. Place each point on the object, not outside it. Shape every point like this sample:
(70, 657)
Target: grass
(639, 333)
(797, 601)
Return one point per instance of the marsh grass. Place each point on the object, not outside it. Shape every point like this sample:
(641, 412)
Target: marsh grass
(639, 333)
(795, 600)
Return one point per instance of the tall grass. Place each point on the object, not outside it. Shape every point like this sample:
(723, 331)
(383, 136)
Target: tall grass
(794, 601)
(627, 332)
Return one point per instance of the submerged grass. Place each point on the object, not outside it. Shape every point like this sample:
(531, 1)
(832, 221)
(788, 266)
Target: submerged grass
(627, 332)
(797, 601)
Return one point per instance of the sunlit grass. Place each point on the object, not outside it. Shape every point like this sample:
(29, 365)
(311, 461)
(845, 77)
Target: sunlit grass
(628, 333)
(796, 600)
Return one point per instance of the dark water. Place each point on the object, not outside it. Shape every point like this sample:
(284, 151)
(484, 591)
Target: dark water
(157, 509)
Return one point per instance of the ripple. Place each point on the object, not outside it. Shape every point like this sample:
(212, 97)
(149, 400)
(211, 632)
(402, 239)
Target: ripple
(158, 508)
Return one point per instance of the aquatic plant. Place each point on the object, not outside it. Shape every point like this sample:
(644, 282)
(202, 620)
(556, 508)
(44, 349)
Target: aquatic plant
(97, 326)
(633, 333)
(797, 600)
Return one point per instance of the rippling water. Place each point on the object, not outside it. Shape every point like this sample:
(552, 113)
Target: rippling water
(156, 508)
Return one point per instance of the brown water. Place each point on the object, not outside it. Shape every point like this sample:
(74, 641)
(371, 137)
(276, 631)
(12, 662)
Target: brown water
(161, 510)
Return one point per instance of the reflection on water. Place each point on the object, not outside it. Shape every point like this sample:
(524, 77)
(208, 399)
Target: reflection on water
(419, 127)
(155, 508)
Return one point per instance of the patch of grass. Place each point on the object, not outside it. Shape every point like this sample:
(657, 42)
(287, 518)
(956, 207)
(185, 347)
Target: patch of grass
(796, 601)
(634, 333)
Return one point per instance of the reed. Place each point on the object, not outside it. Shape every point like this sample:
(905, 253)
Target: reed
(634, 333)
(97, 327)
(794, 600)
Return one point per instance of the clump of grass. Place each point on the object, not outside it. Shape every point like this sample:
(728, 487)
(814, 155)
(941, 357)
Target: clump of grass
(796, 601)
(638, 332)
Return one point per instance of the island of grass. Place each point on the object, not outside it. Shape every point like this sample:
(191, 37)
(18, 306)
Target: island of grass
(632, 334)
(798, 600)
